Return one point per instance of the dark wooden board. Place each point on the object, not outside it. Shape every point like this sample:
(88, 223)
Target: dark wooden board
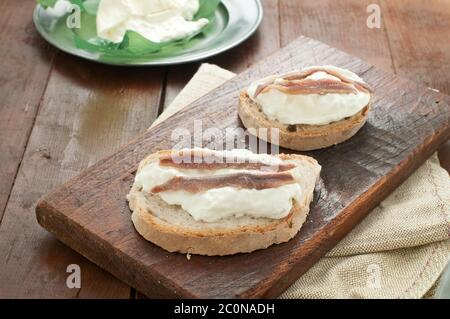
(91, 215)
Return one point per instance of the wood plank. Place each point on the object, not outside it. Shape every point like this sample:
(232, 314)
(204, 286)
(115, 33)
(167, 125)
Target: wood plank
(264, 42)
(418, 33)
(407, 124)
(24, 68)
(88, 110)
(341, 24)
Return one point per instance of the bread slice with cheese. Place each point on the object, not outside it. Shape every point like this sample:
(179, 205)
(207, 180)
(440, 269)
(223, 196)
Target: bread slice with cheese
(174, 229)
(311, 109)
(300, 137)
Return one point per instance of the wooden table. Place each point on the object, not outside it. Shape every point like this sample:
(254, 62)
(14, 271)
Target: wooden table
(60, 114)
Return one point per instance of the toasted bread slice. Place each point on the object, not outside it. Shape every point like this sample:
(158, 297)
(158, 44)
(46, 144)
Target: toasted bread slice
(300, 137)
(175, 230)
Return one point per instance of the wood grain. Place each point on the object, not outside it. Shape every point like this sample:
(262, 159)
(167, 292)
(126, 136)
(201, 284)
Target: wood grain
(24, 68)
(88, 110)
(418, 33)
(91, 215)
(341, 25)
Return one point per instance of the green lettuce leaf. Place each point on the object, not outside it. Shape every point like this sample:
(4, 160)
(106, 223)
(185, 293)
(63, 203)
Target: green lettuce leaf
(207, 9)
(47, 3)
(51, 3)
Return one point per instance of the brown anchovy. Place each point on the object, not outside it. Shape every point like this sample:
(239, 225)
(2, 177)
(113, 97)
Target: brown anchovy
(343, 78)
(322, 86)
(201, 160)
(261, 87)
(241, 180)
(300, 76)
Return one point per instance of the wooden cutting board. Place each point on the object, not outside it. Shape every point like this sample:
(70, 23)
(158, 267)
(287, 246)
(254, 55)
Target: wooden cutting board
(90, 213)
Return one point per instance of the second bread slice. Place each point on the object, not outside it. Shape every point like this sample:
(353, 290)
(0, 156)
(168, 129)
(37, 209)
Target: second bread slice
(300, 137)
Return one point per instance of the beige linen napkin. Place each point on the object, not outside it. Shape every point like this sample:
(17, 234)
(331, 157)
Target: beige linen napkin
(398, 251)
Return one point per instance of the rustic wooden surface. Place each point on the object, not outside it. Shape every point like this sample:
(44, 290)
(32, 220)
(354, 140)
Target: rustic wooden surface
(53, 124)
(407, 123)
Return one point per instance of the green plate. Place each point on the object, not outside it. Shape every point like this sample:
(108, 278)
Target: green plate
(235, 21)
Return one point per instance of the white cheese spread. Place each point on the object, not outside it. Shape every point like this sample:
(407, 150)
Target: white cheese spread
(218, 203)
(312, 109)
(156, 20)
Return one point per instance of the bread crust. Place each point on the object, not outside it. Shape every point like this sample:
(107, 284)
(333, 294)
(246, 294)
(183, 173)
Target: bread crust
(300, 137)
(211, 239)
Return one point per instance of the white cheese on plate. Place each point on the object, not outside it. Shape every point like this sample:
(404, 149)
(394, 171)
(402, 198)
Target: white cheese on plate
(156, 20)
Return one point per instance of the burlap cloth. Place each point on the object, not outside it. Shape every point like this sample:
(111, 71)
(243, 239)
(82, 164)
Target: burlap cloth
(398, 251)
